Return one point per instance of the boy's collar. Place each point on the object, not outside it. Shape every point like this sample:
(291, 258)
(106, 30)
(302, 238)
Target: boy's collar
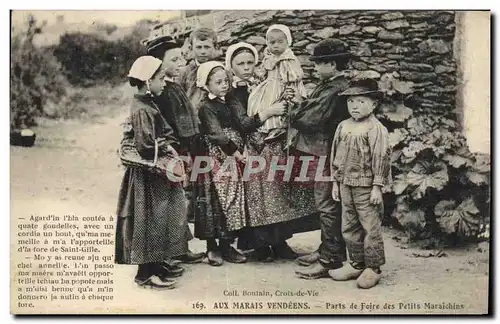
(369, 117)
(211, 96)
(169, 79)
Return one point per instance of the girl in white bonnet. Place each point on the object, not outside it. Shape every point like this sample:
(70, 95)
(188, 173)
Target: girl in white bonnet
(283, 72)
(151, 223)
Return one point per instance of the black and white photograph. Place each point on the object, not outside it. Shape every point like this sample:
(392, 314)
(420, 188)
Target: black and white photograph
(279, 162)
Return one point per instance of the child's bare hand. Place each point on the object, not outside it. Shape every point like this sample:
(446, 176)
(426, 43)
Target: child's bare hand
(335, 192)
(277, 109)
(289, 93)
(376, 196)
(295, 101)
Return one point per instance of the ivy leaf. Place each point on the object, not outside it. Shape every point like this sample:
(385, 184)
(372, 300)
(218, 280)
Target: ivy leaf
(451, 124)
(430, 120)
(477, 178)
(417, 127)
(400, 184)
(397, 136)
(462, 219)
(425, 175)
(439, 151)
(410, 218)
(433, 137)
(396, 154)
(479, 173)
(443, 206)
(457, 161)
(483, 163)
(412, 150)
(395, 112)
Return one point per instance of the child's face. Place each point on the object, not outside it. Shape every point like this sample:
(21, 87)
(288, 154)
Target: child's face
(277, 42)
(325, 70)
(203, 50)
(173, 61)
(243, 65)
(157, 83)
(360, 107)
(218, 82)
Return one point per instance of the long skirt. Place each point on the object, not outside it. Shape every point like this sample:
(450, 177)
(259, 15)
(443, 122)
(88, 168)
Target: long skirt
(220, 209)
(151, 219)
(280, 207)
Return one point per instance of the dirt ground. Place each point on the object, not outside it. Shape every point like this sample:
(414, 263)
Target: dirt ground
(74, 168)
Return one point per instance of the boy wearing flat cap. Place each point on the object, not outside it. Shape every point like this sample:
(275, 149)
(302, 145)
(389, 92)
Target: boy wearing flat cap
(176, 108)
(361, 167)
(315, 121)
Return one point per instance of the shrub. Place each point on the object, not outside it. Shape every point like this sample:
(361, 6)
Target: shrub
(35, 77)
(90, 59)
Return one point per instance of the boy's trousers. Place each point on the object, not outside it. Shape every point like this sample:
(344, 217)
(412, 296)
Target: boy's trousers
(362, 226)
(333, 247)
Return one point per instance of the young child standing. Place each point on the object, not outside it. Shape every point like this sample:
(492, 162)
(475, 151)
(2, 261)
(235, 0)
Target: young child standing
(151, 222)
(283, 71)
(361, 167)
(221, 201)
(176, 108)
(225, 210)
(315, 120)
(203, 43)
(174, 103)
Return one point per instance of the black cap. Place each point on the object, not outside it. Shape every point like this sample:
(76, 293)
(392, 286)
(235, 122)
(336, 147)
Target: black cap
(160, 45)
(330, 49)
(363, 87)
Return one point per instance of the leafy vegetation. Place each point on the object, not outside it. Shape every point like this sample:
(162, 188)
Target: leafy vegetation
(35, 77)
(80, 77)
(440, 188)
(90, 59)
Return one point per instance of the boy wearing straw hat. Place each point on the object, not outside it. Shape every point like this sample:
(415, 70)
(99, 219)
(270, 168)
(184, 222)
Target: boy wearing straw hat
(315, 121)
(361, 167)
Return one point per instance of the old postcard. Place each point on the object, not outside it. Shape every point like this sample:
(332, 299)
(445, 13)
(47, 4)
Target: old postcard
(250, 162)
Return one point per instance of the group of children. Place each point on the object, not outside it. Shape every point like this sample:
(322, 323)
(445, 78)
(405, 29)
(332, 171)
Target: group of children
(197, 110)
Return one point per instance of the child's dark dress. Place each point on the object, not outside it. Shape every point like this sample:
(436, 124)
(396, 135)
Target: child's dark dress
(151, 222)
(220, 202)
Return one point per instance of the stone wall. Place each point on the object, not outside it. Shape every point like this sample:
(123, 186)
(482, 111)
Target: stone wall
(418, 45)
